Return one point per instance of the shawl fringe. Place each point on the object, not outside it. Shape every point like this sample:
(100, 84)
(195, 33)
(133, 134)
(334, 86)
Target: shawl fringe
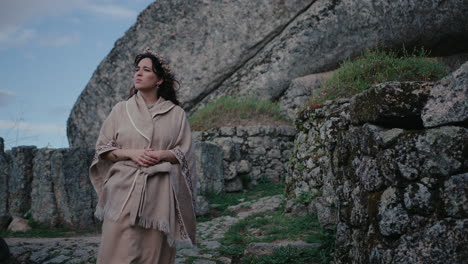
(162, 226)
(107, 212)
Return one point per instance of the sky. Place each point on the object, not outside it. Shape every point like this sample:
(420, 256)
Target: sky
(49, 50)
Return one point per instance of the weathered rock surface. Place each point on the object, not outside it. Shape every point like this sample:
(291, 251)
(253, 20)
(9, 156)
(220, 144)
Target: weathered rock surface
(210, 167)
(228, 34)
(255, 48)
(448, 100)
(203, 207)
(251, 153)
(62, 192)
(455, 195)
(299, 91)
(438, 242)
(19, 224)
(50, 185)
(329, 31)
(396, 194)
(392, 104)
(19, 181)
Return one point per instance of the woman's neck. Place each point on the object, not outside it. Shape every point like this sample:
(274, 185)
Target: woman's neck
(150, 97)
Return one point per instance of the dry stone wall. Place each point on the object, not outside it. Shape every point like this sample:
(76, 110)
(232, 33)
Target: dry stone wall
(389, 170)
(52, 185)
(49, 185)
(251, 153)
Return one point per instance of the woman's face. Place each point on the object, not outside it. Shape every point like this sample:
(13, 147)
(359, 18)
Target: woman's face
(144, 77)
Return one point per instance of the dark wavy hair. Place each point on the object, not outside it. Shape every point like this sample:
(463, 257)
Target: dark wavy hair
(167, 89)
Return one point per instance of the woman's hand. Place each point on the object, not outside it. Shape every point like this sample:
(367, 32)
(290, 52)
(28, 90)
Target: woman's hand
(162, 155)
(142, 157)
(158, 155)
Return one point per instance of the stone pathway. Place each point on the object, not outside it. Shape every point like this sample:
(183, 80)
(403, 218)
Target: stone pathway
(83, 249)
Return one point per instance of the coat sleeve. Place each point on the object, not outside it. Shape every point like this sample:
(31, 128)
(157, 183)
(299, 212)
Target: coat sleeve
(184, 153)
(106, 142)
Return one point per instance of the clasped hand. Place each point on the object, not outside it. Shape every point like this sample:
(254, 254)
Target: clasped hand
(147, 157)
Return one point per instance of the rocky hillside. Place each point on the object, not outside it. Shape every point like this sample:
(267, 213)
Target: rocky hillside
(256, 48)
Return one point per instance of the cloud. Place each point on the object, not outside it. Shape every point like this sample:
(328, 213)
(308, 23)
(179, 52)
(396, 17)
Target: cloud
(18, 36)
(6, 97)
(16, 18)
(30, 127)
(18, 12)
(57, 41)
(14, 35)
(112, 11)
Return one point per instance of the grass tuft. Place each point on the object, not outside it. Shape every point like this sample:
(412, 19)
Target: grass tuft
(376, 66)
(40, 230)
(275, 226)
(233, 111)
(224, 200)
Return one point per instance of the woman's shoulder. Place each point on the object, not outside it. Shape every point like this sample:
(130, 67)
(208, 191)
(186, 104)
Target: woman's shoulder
(119, 106)
(178, 110)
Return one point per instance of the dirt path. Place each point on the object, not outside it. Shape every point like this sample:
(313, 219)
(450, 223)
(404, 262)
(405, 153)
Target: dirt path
(83, 249)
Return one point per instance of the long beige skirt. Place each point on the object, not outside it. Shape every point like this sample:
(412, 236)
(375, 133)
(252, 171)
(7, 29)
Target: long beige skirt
(125, 244)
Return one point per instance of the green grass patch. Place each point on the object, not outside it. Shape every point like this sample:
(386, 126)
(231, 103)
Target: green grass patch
(274, 226)
(307, 197)
(376, 66)
(39, 230)
(234, 111)
(288, 255)
(224, 200)
(193, 259)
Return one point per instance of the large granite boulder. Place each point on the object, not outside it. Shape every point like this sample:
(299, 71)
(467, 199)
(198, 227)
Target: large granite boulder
(206, 41)
(19, 182)
(448, 100)
(61, 190)
(255, 48)
(209, 160)
(299, 92)
(392, 104)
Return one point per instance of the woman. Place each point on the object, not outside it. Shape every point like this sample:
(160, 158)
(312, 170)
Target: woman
(143, 171)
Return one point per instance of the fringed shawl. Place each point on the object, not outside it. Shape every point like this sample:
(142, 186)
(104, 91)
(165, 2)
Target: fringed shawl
(161, 196)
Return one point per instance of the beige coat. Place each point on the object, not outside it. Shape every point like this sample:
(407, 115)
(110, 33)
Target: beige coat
(161, 196)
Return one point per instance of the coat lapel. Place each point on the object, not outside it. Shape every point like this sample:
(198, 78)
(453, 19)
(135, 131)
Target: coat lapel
(162, 106)
(140, 116)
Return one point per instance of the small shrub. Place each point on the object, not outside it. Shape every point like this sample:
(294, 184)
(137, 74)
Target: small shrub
(355, 76)
(305, 198)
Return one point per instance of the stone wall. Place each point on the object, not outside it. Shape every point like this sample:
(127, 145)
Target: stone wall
(49, 185)
(52, 185)
(389, 170)
(251, 153)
